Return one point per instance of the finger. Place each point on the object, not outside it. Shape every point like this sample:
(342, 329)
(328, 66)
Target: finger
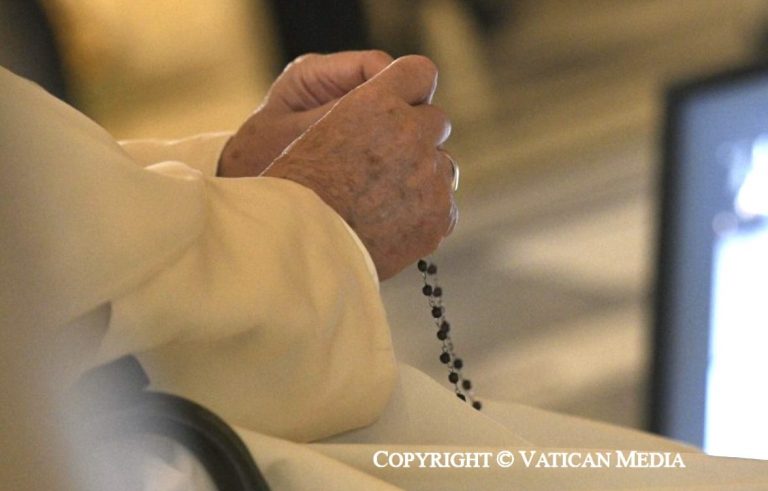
(313, 79)
(444, 196)
(412, 78)
(454, 218)
(435, 123)
(352, 68)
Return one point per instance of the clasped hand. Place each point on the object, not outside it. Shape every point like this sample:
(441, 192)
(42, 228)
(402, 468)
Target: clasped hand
(359, 129)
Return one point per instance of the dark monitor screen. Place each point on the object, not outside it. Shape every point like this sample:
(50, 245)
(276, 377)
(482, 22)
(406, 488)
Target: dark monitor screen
(710, 382)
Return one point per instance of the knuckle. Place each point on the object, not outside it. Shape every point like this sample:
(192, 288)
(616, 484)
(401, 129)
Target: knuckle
(439, 113)
(441, 119)
(421, 74)
(305, 58)
(423, 64)
(369, 96)
(387, 109)
(379, 56)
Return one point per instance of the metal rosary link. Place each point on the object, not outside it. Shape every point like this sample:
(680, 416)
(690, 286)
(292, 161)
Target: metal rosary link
(434, 294)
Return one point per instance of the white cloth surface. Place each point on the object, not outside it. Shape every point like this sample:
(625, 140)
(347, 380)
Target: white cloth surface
(147, 462)
(253, 298)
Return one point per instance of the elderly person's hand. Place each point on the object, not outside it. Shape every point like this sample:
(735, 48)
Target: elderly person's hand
(375, 159)
(302, 94)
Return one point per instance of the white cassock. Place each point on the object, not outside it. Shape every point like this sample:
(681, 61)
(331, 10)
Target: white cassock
(253, 298)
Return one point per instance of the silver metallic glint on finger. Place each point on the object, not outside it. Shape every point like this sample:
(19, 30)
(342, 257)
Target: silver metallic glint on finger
(456, 174)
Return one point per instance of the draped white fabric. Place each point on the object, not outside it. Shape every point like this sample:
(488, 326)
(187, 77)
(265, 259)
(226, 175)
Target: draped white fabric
(251, 297)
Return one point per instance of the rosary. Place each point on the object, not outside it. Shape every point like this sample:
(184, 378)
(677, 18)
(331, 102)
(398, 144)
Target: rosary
(434, 294)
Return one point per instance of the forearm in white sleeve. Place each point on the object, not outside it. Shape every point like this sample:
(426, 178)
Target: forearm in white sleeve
(80, 224)
(248, 295)
(271, 318)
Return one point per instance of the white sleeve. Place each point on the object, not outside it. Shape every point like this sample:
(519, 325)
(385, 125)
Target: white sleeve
(271, 318)
(250, 296)
(147, 462)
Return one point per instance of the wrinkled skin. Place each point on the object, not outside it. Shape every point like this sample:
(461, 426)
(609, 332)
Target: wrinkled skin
(372, 153)
(302, 94)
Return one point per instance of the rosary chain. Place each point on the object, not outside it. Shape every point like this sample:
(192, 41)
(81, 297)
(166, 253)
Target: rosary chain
(434, 293)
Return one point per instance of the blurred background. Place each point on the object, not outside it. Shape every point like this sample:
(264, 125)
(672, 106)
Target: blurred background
(556, 106)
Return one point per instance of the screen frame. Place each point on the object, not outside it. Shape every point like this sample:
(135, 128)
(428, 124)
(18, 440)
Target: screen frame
(679, 361)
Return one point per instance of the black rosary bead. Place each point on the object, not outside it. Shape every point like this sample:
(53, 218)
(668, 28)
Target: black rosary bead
(447, 356)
